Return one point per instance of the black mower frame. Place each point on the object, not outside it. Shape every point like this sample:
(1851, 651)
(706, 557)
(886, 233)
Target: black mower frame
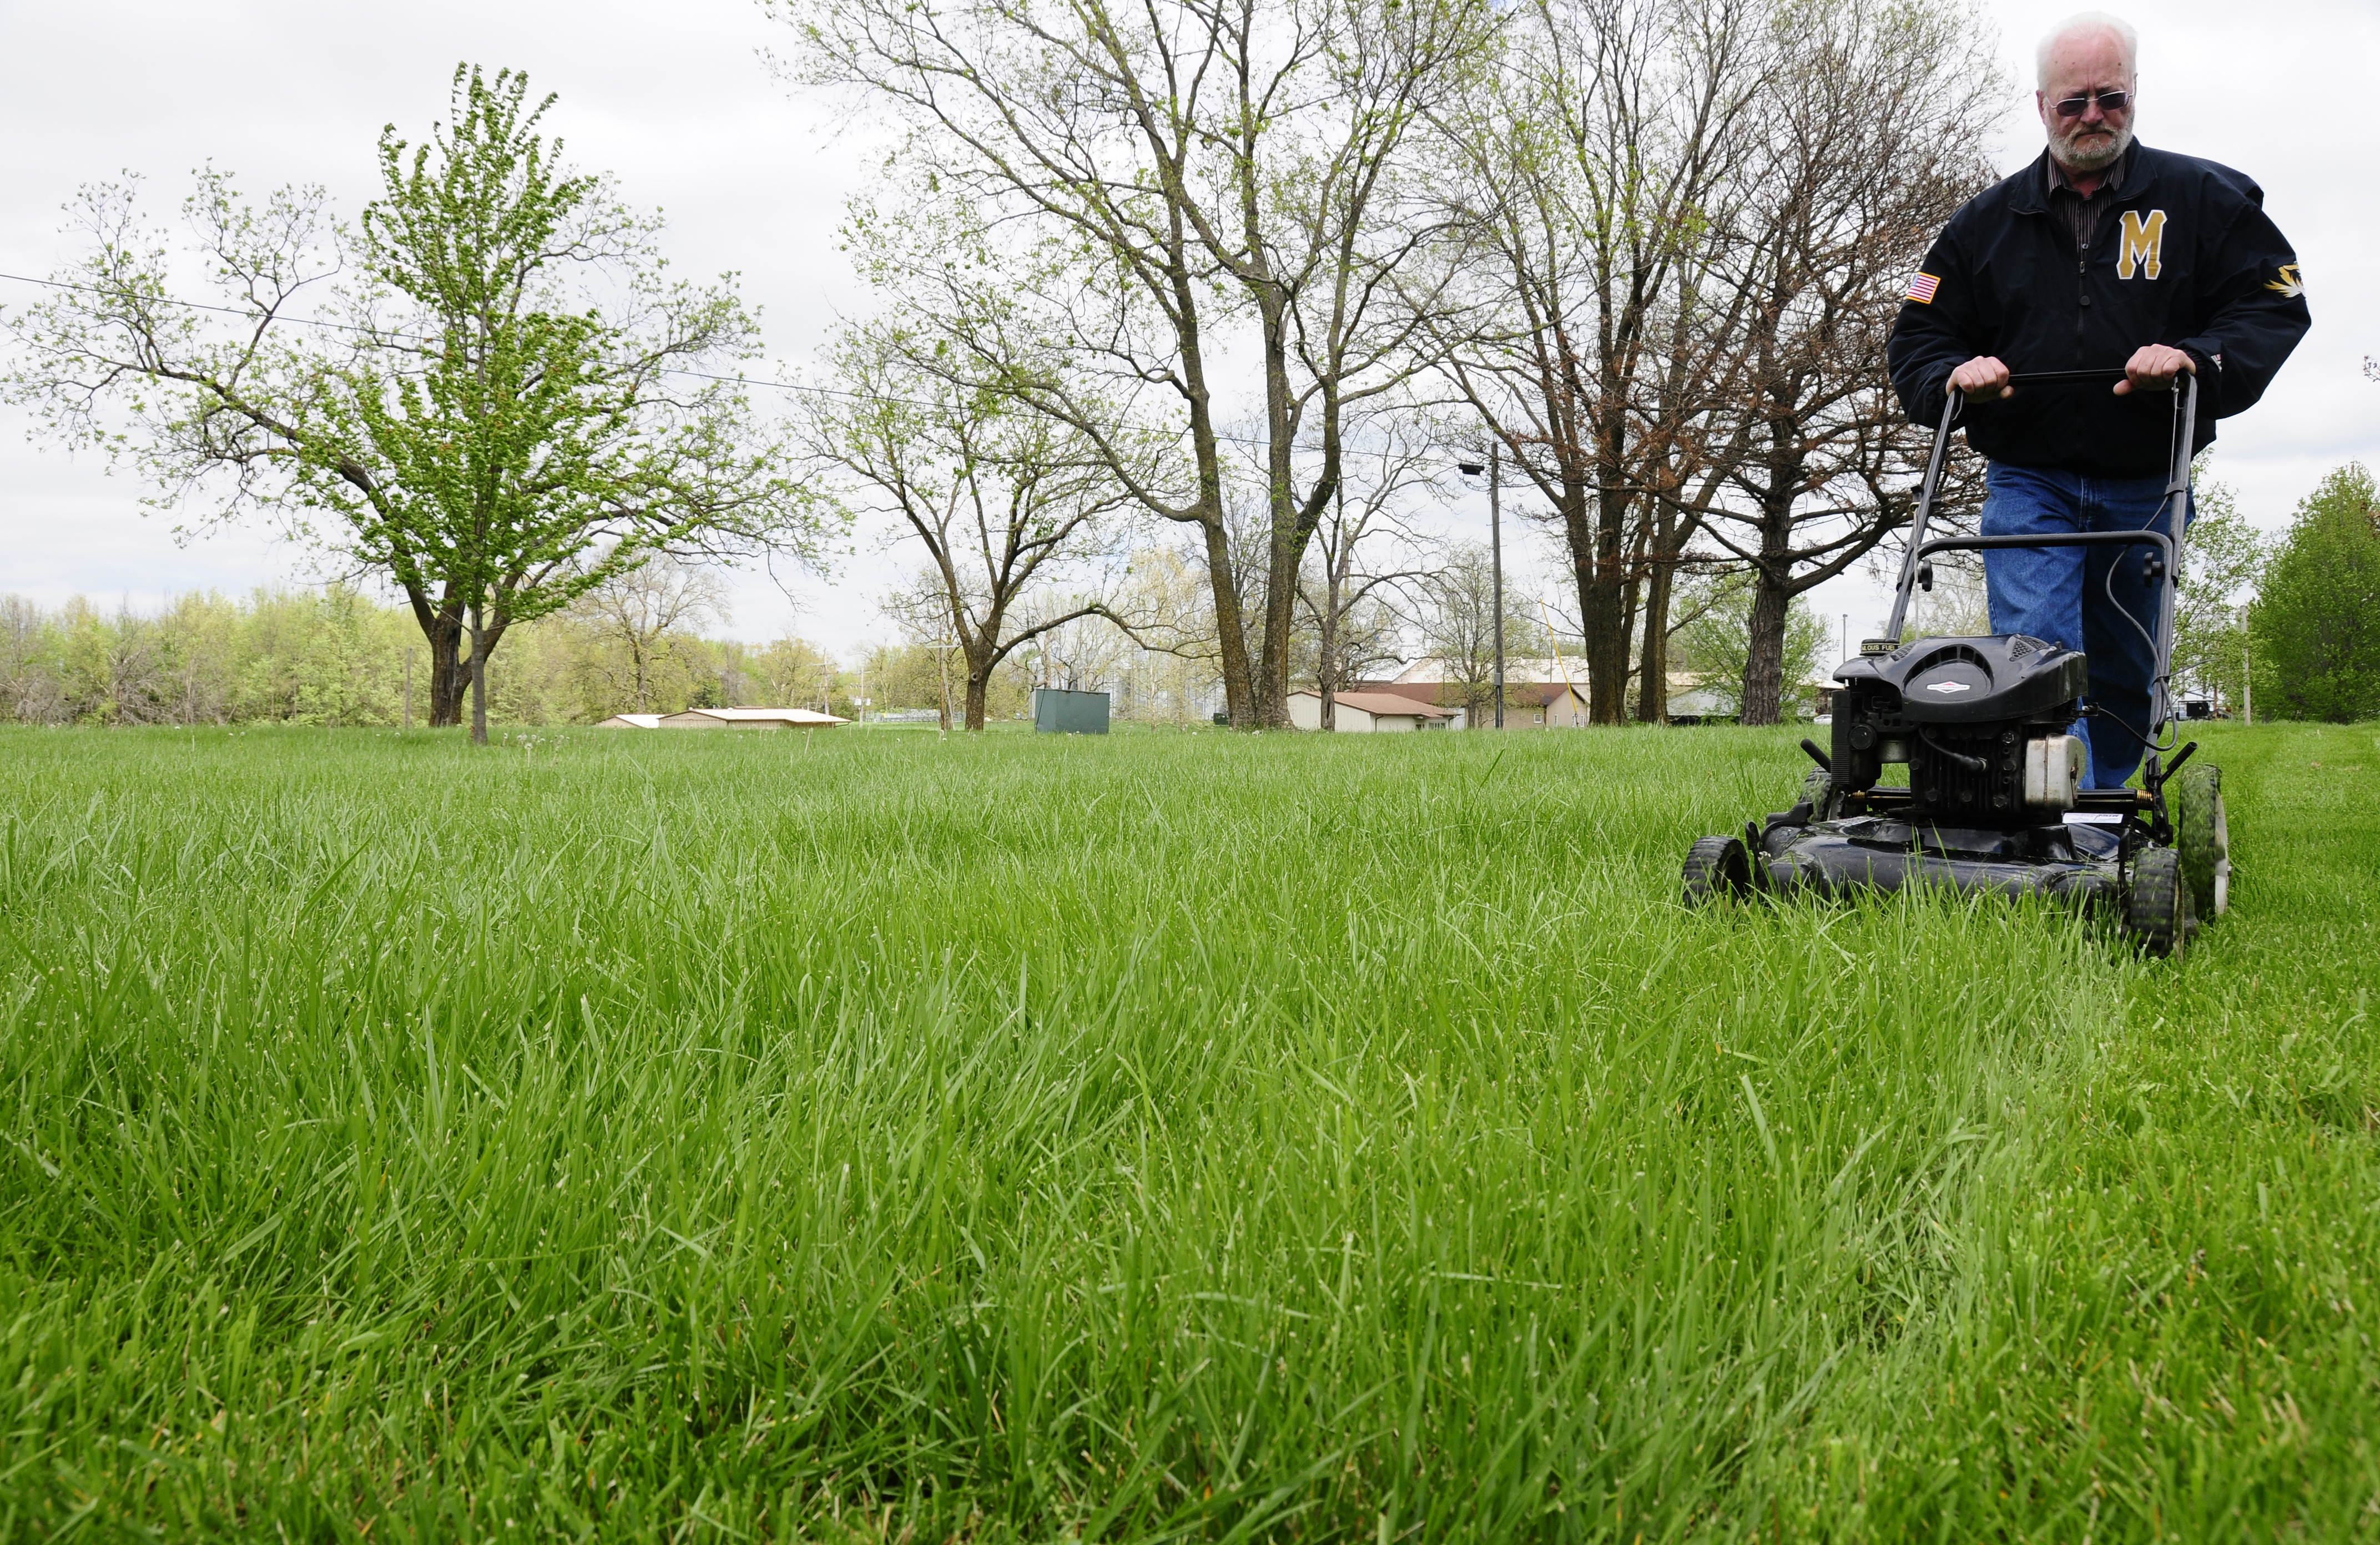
(2146, 805)
(1852, 834)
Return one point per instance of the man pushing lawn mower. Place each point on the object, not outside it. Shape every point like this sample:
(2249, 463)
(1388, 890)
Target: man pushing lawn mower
(2101, 252)
(2089, 319)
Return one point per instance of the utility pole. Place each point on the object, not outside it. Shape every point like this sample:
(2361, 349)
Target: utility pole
(1495, 557)
(2247, 673)
(943, 653)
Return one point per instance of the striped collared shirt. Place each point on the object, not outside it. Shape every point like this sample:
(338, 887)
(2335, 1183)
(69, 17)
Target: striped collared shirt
(2083, 211)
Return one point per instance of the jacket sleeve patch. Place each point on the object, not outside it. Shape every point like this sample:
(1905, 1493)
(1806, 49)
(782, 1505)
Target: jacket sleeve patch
(1922, 288)
(2289, 284)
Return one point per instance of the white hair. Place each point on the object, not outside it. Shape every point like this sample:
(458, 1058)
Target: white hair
(2087, 21)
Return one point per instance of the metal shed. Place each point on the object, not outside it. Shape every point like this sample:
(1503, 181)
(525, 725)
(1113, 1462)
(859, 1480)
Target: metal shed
(1056, 712)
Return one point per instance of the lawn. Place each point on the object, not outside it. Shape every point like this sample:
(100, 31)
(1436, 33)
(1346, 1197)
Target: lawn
(867, 1134)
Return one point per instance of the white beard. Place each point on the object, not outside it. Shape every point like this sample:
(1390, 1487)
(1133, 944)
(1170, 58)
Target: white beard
(2095, 158)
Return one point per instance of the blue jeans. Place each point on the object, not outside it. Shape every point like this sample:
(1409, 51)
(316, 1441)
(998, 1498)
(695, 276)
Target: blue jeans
(2062, 593)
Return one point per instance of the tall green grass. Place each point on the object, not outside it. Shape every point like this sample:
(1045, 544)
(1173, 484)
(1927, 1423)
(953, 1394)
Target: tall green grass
(1173, 1136)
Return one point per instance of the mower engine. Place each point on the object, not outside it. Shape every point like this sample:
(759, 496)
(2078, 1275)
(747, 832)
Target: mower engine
(1981, 723)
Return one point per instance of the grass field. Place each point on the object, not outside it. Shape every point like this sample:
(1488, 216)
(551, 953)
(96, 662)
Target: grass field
(869, 1136)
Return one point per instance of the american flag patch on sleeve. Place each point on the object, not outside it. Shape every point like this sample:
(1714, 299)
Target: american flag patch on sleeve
(1922, 288)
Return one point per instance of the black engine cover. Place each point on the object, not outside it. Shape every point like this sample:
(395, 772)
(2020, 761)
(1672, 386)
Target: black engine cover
(1972, 681)
(1959, 712)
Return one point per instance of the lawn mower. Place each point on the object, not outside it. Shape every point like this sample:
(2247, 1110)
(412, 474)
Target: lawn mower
(1995, 799)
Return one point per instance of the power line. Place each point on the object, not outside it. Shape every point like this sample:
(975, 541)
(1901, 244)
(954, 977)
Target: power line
(420, 338)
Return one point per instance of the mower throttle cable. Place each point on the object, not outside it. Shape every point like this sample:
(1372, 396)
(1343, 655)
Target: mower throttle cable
(1973, 765)
(2163, 683)
(2096, 712)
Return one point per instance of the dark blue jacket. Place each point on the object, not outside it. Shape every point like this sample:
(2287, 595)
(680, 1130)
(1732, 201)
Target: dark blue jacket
(2185, 256)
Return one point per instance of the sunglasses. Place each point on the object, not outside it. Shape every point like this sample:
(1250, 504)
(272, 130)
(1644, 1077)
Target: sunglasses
(2109, 102)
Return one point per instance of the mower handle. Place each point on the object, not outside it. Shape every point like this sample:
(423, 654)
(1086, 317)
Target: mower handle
(2185, 420)
(2055, 378)
(2143, 538)
(2050, 378)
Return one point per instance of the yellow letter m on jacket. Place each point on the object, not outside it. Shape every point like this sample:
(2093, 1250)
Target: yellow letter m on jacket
(2142, 244)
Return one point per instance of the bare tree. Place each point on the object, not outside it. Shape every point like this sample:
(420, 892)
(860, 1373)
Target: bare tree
(1587, 171)
(1458, 628)
(1189, 163)
(1006, 502)
(1869, 142)
(644, 610)
(1353, 602)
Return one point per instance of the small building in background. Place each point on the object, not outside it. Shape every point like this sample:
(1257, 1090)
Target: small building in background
(631, 722)
(745, 719)
(1543, 705)
(1529, 705)
(1692, 700)
(1058, 712)
(1366, 712)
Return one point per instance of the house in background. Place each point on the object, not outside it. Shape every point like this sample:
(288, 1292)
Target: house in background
(1702, 700)
(745, 719)
(1541, 694)
(1550, 705)
(1555, 704)
(631, 722)
(1367, 711)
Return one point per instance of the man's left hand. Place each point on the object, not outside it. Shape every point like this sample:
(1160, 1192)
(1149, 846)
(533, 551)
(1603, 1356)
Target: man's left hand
(2154, 368)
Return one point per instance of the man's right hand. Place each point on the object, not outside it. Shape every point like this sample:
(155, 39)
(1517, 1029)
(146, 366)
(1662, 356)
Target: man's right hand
(1982, 379)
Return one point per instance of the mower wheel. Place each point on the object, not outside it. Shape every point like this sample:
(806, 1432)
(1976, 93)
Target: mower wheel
(2204, 837)
(1818, 792)
(2156, 913)
(1717, 869)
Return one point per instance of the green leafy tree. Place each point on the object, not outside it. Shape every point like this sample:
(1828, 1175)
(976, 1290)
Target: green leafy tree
(2222, 557)
(2316, 620)
(492, 395)
(1715, 641)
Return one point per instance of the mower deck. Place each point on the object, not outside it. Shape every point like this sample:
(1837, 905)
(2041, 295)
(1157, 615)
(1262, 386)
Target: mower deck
(1871, 852)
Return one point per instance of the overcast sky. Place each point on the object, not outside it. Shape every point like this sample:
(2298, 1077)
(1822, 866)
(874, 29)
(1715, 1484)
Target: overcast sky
(678, 102)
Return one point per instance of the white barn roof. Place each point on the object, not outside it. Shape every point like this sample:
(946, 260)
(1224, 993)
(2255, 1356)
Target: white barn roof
(748, 718)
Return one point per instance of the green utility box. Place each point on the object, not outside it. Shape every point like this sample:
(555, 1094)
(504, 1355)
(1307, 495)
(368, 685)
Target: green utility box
(1057, 712)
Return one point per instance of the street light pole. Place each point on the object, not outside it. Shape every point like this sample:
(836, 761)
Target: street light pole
(1496, 558)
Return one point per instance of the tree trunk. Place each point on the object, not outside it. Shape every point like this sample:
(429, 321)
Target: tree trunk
(1772, 596)
(1291, 520)
(1230, 629)
(479, 681)
(978, 687)
(1326, 676)
(1763, 661)
(1653, 659)
(1670, 533)
(442, 626)
(1601, 610)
